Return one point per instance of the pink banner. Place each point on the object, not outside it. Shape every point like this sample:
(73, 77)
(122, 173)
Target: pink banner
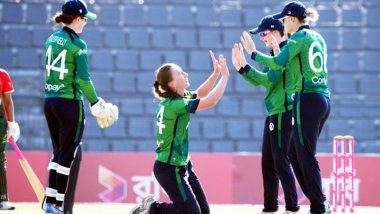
(227, 178)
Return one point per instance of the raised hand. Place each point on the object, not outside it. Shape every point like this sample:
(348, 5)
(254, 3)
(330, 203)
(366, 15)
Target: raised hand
(224, 68)
(274, 44)
(248, 43)
(242, 60)
(236, 57)
(215, 63)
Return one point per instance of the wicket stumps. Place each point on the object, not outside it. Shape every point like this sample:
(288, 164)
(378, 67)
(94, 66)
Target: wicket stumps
(343, 173)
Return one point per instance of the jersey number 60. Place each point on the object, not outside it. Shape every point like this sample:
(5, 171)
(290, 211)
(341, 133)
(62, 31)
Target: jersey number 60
(322, 58)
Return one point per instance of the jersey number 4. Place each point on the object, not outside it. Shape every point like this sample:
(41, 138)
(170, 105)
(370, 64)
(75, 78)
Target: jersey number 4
(160, 122)
(50, 66)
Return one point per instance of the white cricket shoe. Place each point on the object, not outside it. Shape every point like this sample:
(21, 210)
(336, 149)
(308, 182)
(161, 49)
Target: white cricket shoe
(328, 209)
(144, 207)
(5, 205)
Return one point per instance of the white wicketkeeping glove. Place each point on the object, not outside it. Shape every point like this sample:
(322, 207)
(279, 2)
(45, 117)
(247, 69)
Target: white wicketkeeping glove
(13, 131)
(106, 113)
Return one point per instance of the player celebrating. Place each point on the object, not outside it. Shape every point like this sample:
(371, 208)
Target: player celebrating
(311, 102)
(173, 168)
(8, 128)
(67, 79)
(277, 135)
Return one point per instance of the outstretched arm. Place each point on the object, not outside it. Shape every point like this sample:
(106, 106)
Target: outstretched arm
(288, 52)
(204, 89)
(217, 92)
(250, 74)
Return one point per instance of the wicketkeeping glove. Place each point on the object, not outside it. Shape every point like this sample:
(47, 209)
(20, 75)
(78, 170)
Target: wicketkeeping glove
(106, 113)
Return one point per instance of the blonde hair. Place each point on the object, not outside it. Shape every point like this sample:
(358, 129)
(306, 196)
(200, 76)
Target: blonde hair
(312, 15)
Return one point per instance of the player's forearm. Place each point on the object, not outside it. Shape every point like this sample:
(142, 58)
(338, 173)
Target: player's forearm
(272, 62)
(254, 76)
(8, 105)
(214, 96)
(88, 90)
(204, 89)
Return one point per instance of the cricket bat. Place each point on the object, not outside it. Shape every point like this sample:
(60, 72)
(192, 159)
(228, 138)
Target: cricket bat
(32, 177)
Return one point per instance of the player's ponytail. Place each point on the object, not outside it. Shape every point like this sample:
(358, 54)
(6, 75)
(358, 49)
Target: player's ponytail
(161, 87)
(60, 17)
(312, 15)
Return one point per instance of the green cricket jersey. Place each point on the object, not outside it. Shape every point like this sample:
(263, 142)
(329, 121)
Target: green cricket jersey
(67, 70)
(279, 85)
(309, 49)
(173, 120)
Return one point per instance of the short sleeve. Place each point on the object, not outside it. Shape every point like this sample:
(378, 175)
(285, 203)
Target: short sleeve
(190, 94)
(6, 82)
(185, 105)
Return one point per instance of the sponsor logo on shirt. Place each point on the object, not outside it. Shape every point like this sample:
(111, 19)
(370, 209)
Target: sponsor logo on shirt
(55, 88)
(317, 80)
(82, 51)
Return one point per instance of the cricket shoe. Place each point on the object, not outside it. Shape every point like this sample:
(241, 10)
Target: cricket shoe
(144, 207)
(5, 205)
(327, 207)
(51, 209)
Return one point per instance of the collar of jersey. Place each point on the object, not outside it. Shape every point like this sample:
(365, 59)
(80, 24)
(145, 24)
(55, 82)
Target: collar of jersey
(70, 31)
(303, 27)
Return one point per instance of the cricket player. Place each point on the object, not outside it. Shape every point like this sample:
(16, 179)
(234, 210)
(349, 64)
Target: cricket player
(275, 163)
(173, 168)
(67, 80)
(8, 128)
(311, 106)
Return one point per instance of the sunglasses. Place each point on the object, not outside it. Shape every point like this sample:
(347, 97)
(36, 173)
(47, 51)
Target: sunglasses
(265, 33)
(84, 18)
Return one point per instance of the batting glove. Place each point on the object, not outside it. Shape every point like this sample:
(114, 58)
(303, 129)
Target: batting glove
(13, 131)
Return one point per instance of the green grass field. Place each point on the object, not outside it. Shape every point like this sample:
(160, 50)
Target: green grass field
(99, 208)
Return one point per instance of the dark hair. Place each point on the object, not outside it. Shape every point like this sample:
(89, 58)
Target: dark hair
(64, 18)
(161, 87)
